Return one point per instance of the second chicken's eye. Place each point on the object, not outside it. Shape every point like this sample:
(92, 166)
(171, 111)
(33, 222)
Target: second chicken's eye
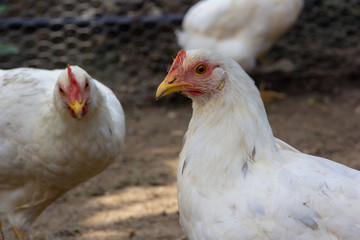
(201, 69)
(61, 91)
(86, 86)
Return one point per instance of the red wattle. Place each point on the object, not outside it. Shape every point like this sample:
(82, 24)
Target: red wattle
(195, 93)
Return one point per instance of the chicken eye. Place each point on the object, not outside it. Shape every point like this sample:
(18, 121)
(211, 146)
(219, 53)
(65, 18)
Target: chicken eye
(201, 69)
(61, 91)
(87, 86)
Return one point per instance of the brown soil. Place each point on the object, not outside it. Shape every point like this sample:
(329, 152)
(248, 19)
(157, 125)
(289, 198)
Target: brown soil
(136, 197)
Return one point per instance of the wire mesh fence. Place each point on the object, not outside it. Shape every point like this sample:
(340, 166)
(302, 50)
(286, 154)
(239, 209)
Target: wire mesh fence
(129, 42)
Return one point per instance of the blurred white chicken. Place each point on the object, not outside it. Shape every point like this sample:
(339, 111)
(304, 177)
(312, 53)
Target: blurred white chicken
(236, 181)
(58, 128)
(242, 29)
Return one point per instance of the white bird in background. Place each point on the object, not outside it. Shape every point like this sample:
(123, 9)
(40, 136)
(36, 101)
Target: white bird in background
(241, 29)
(58, 128)
(236, 180)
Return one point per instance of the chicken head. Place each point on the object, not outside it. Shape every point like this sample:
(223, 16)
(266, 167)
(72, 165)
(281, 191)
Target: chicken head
(74, 89)
(193, 76)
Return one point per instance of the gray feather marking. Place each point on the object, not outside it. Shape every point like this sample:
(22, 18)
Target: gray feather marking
(184, 166)
(253, 153)
(244, 168)
(310, 223)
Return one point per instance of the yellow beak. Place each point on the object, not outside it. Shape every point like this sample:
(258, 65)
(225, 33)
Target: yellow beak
(77, 107)
(167, 86)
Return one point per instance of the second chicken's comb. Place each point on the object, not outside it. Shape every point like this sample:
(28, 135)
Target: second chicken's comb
(71, 75)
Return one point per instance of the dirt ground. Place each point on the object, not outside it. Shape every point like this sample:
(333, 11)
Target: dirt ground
(136, 197)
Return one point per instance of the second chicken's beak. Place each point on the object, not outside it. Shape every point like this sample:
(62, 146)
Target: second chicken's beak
(169, 86)
(77, 107)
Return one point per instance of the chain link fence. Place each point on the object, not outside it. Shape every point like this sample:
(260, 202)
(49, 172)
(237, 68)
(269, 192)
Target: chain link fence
(130, 43)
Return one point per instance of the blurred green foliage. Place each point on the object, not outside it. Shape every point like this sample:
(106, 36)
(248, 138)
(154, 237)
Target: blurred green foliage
(3, 7)
(7, 48)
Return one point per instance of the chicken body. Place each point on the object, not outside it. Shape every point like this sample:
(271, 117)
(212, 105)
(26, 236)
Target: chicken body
(235, 180)
(242, 29)
(44, 150)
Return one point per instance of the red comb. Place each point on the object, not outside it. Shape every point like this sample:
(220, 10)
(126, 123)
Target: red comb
(74, 91)
(177, 64)
(71, 76)
(180, 57)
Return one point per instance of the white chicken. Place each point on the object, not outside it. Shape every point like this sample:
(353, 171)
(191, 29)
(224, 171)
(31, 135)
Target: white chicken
(58, 128)
(242, 29)
(235, 180)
